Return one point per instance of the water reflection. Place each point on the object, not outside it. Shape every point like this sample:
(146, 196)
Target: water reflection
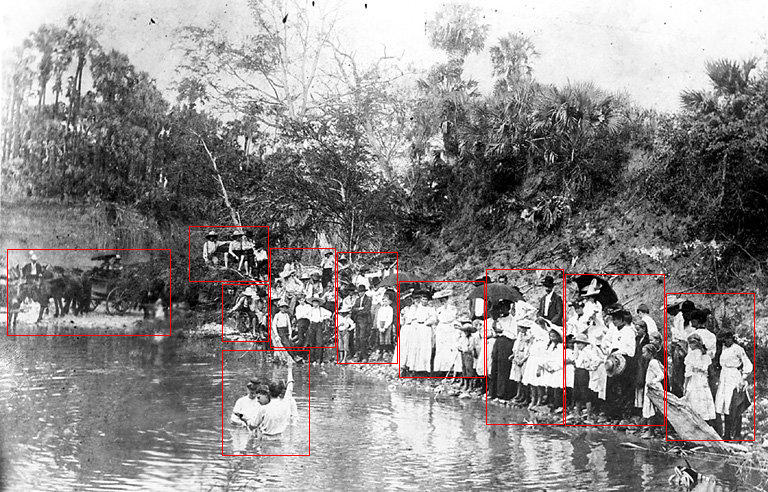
(146, 414)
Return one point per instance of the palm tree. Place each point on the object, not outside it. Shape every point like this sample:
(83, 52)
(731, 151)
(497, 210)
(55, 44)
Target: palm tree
(729, 80)
(512, 59)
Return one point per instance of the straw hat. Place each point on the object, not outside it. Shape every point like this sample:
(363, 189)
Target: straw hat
(581, 338)
(592, 289)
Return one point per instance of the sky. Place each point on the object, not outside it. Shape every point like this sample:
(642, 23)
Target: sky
(651, 49)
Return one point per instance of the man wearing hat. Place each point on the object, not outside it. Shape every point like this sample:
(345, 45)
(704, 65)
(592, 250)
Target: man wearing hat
(281, 325)
(247, 257)
(210, 255)
(236, 248)
(313, 286)
(328, 265)
(551, 304)
(32, 271)
(315, 339)
(361, 315)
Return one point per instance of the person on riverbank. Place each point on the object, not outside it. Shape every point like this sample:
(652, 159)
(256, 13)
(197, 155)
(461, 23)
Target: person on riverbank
(654, 376)
(385, 317)
(361, 314)
(446, 335)
(210, 247)
(551, 304)
(328, 265)
(697, 391)
(735, 372)
(551, 367)
(346, 327)
(644, 312)
(282, 326)
(318, 316)
(423, 320)
(467, 347)
(500, 384)
(301, 314)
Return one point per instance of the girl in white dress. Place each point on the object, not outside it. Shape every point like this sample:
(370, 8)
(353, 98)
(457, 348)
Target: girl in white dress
(423, 319)
(697, 391)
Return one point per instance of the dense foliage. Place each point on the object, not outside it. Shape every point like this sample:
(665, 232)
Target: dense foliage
(287, 127)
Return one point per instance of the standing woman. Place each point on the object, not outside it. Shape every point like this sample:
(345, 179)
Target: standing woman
(736, 368)
(502, 386)
(424, 318)
(405, 336)
(446, 334)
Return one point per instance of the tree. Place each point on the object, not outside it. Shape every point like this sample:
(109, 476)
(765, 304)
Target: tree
(457, 30)
(512, 60)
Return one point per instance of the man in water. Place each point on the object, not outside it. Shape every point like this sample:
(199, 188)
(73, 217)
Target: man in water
(247, 408)
(276, 413)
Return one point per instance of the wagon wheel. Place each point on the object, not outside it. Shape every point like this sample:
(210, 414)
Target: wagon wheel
(117, 301)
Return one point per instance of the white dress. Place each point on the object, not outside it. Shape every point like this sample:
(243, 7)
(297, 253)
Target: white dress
(420, 345)
(404, 339)
(697, 393)
(734, 362)
(446, 335)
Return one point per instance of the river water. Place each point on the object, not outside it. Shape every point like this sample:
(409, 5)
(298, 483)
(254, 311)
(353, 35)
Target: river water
(144, 413)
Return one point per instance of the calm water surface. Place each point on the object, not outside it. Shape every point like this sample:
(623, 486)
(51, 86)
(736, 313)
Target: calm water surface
(139, 413)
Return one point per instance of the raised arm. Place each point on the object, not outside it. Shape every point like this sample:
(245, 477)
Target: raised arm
(289, 383)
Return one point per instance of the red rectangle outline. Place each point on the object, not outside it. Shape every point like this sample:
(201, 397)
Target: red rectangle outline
(485, 333)
(189, 253)
(222, 313)
(8, 292)
(754, 356)
(309, 404)
(398, 339)
(397, 321)
(664, 283)
(269, 304)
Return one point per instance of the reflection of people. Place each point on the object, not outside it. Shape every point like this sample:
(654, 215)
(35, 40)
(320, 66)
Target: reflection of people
(32, 271)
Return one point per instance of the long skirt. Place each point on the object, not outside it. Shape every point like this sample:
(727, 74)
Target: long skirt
(404, 342)
(420, 349)
(699, 396)
(730, 378)
(446, 355)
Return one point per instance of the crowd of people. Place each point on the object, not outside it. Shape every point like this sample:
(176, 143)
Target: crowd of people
(708, 368)
(240, 252)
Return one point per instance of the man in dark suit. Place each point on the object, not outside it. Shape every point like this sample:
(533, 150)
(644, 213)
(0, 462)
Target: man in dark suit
(32, 271)
(361, 315)
(551, 305)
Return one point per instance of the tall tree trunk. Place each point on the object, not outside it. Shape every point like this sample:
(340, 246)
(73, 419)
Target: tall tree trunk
(232, 212)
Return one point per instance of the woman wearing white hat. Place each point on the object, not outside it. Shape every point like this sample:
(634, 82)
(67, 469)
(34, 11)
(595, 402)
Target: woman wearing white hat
(446, 334)
(423, 318)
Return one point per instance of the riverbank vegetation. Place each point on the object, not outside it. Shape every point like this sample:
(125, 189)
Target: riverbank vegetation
(288, 127)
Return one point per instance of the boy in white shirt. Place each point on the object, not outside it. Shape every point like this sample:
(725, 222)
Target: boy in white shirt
(384, 321)
(346, 326)
(281, 326)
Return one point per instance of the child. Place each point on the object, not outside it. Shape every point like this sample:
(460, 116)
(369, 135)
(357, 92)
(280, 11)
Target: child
(551, 367)
(582, 362)
(467, 346)
(281, 327)
(532, 374)
(653, 377)
(697, 390)
(519, 357)
(384, 321)
(346, 325)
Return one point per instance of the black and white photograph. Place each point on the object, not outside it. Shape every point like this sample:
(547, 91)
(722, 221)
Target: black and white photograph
(499, 237)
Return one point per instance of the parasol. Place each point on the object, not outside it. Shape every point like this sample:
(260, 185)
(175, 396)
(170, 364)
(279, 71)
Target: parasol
(496, 292)
(606, 297)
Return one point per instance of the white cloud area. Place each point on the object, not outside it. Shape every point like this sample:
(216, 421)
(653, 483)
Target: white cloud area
(651, 49)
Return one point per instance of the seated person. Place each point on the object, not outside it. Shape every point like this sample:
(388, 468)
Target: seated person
(210, 249)
(235, 251)
(248, 302)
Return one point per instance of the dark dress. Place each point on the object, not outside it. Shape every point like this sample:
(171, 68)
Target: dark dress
(501, 386)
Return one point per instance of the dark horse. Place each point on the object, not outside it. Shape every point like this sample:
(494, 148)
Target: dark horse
(158, 290)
